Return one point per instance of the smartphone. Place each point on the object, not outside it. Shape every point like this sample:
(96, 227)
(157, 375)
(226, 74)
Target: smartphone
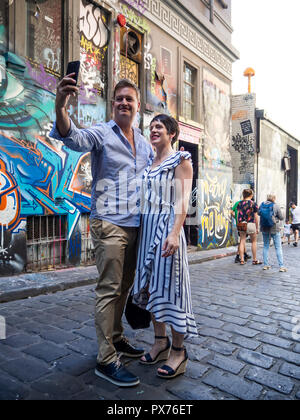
(74, 67)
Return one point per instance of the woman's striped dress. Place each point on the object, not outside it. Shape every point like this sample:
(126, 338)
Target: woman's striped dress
(167, 279)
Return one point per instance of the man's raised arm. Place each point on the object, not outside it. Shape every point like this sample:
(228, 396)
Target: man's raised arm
(66, 88)
(79, 140)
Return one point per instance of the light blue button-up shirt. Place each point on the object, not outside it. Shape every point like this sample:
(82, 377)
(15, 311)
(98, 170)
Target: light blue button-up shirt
(117, 173)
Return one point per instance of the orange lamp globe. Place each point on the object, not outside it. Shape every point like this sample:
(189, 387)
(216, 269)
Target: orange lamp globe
(249, 72)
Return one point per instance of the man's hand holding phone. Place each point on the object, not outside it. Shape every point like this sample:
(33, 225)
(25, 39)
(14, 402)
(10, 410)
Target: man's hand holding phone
(68, 85)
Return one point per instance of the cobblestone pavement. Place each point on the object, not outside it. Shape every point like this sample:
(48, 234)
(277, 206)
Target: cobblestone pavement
(248, 346)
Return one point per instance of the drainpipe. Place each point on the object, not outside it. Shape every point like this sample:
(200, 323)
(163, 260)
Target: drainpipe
(259, 115)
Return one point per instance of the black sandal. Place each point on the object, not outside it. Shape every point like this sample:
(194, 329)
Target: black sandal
(162, 355)
(181, 369)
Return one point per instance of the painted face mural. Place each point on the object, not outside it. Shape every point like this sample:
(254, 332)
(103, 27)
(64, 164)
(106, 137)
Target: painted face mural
(39, 176)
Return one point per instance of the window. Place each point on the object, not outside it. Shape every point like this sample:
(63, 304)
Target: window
(131, 55)
(46, 242)
(3, 27)
(189, 92)
(44, 35)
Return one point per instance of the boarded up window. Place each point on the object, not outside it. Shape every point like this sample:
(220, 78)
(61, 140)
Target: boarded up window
(44, 35)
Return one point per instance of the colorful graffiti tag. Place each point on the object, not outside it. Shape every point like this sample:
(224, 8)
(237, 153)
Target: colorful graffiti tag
(94, 38)
(215, 230)
(12, 256)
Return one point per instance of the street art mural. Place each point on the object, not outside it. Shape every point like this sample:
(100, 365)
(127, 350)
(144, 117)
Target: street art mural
(215, 228)
(161, 92)
(12, 226)
(94, 39)
(215, 195)
(39, 176)
(243, 139)
(217, 113)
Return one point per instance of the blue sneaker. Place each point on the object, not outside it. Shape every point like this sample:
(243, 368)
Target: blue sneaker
(117, 374)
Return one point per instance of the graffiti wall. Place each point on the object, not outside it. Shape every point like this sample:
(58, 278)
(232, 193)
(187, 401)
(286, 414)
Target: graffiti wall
(39, 176)
(217, 113)
(215, 185)
(215, 228)
(271, 177)
(243, 139)
(160, 61)
(94, 38)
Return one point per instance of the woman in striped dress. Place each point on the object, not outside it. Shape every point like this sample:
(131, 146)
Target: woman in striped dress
(162, 283)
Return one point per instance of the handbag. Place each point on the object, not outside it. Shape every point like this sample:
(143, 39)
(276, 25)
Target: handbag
(242, 226)
(137, 317)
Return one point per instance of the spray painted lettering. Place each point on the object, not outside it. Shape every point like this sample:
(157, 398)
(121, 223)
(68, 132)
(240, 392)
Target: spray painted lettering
(215, 221)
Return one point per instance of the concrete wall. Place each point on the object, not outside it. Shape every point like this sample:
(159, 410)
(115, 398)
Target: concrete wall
(257, 149)
(271, 176)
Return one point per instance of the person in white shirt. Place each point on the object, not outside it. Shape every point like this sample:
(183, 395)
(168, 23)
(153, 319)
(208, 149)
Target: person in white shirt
(295, 212)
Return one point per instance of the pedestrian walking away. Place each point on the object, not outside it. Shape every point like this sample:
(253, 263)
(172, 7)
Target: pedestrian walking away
(162, 282)
(116, 148)
(270, 218)
(295, 212)
(234, 213)
(248, 225)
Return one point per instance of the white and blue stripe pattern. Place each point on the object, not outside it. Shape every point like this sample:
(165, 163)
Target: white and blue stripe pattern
(166, 279)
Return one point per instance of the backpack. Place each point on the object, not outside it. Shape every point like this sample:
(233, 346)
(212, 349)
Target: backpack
(266, 212)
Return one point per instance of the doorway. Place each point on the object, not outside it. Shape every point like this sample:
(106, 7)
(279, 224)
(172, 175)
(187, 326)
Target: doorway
(192, 230)
(292, 178)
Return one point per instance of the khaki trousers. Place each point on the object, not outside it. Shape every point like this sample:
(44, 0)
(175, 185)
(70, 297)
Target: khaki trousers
(116, 255)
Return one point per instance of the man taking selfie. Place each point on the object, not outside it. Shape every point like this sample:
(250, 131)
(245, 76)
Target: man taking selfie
(119, 155)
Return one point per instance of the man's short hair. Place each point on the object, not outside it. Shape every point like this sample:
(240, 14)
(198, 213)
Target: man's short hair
(271, 197)
(126, 83)
(292, 203)
(247, 193)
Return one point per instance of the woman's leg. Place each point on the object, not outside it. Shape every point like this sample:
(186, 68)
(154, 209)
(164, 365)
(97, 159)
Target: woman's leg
(176, 357)
(159, 344)
(266, 238)
(278, 248)
(254, 245)
(242, 246)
